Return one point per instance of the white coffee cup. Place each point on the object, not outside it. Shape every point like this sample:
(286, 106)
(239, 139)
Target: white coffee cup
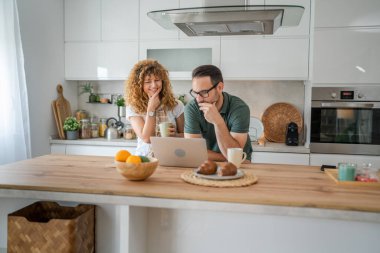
(236, 156)
(164, 129)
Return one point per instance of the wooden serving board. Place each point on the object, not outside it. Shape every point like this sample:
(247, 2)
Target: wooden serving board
(61, 134)
(63, 108)
(333, 174)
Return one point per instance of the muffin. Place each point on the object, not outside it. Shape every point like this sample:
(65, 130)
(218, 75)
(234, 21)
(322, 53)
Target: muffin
(228, 169)
(207, 168)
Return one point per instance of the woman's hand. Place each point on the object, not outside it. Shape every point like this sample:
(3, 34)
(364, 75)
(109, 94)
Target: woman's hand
(154, 101)
(172, 131)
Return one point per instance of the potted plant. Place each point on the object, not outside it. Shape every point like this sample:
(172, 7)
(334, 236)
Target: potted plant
(71, 126)
(120, 102)
(87, 88)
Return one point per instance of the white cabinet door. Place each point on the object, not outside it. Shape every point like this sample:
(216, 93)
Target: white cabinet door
(346, 55)
(100, 61)
(304, 26)
(120, 20)
(280, 158)
(81, 61)
(58, 149)
(82, 20)
(171, 59)
(327, 159)
(263, 59)
(341, 13)
(149, 29)
(118, 59)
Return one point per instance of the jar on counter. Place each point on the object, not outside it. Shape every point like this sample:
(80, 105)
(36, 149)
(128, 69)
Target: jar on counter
(102, 126)
(81, 114)
(129, 133)
(85, 129)
(94, 130)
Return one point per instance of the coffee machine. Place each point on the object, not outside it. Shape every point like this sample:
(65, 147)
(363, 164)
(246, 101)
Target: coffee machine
(292, 134)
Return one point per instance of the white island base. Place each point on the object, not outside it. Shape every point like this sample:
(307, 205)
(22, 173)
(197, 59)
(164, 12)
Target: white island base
(154, 225)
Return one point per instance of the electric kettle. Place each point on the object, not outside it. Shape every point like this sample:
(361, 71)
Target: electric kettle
(112, 131)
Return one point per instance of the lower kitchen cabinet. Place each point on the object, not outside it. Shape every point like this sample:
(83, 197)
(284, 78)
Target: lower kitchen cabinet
(280, 158)
(67, 149)
(334, 159)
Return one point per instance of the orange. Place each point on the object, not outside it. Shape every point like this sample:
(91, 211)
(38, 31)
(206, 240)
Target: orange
(122, 155)
(134, 159)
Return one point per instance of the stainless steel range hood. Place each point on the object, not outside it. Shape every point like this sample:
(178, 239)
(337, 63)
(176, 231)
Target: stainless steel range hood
(229, 20)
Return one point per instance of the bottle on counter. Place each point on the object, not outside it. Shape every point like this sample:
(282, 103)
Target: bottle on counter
(102, 126)
(85, 129)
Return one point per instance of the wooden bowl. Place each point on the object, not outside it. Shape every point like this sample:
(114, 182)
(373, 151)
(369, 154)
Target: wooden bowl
(137, 172)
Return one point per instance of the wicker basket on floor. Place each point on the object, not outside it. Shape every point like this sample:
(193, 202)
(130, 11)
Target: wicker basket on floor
(48, 227)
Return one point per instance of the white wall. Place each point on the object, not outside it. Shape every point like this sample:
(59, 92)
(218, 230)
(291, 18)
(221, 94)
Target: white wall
(42, 34)
(259, 95)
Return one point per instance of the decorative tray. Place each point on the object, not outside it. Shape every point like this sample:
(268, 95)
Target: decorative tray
(276, 118)
(333, 174)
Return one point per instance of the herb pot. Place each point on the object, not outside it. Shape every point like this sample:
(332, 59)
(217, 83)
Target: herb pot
(72, 135)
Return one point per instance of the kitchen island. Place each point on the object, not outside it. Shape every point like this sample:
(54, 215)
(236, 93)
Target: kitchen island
(290, 209)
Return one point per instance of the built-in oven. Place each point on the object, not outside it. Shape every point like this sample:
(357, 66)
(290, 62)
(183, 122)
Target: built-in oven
(345, 120)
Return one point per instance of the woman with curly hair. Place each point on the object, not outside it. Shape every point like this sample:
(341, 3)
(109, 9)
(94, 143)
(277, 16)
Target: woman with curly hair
(148, 92)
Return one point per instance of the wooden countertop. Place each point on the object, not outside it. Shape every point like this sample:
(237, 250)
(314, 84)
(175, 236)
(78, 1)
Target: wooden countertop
(281, 185)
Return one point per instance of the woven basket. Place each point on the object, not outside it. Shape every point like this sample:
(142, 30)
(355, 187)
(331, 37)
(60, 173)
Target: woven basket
(49, 227)
(276, 118)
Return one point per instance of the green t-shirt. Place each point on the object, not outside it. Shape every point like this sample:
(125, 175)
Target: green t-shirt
(235, 113)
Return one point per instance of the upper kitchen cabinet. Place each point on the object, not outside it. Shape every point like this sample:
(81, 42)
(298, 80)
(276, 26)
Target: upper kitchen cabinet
(99, 61)
(347, 13)
(82, 20)
(149, 29)
(181, 57)
(303, 28)
(255, 58)
(346, 42)
(101, 20)
(119, 20)
(101, 39)
(346, 56)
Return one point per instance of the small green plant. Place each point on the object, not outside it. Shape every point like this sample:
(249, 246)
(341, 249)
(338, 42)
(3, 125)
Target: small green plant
(71, 124)
(182, 98)
(86, 88)
(120, 101)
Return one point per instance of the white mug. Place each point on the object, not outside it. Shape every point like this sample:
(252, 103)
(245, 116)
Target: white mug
(236, 156)
(164, 129)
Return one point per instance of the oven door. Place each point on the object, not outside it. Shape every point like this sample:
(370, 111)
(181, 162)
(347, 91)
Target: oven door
(345, 128)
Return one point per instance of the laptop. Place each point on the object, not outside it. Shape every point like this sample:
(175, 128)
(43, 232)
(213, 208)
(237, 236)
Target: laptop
(179, 152)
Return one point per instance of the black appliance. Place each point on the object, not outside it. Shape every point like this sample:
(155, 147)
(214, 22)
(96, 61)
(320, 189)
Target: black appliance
(292, 134)
(345, 120)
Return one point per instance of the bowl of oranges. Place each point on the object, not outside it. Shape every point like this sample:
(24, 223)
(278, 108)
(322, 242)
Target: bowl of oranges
(135, 167)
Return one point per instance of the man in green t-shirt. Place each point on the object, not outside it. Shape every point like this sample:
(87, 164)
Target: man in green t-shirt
(220, 118)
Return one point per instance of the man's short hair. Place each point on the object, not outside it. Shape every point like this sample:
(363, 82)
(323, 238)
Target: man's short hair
(208, 70)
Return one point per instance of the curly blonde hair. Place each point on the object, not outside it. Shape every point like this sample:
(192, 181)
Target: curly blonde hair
(134, 86)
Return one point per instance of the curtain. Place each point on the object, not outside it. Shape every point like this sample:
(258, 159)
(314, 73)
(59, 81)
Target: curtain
(14, 112)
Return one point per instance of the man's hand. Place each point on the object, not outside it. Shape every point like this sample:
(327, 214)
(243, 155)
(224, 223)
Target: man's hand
(211, 113)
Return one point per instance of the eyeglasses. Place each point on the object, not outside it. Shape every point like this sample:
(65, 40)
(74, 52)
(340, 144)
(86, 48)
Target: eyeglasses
(202, 93)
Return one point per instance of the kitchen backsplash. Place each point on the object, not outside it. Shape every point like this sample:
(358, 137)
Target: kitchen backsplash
(257, 94)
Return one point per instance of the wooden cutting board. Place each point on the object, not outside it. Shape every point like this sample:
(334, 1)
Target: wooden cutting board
(63, 109)
(61, 134)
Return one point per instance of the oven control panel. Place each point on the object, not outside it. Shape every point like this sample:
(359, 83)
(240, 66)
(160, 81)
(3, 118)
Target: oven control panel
(367, 93)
